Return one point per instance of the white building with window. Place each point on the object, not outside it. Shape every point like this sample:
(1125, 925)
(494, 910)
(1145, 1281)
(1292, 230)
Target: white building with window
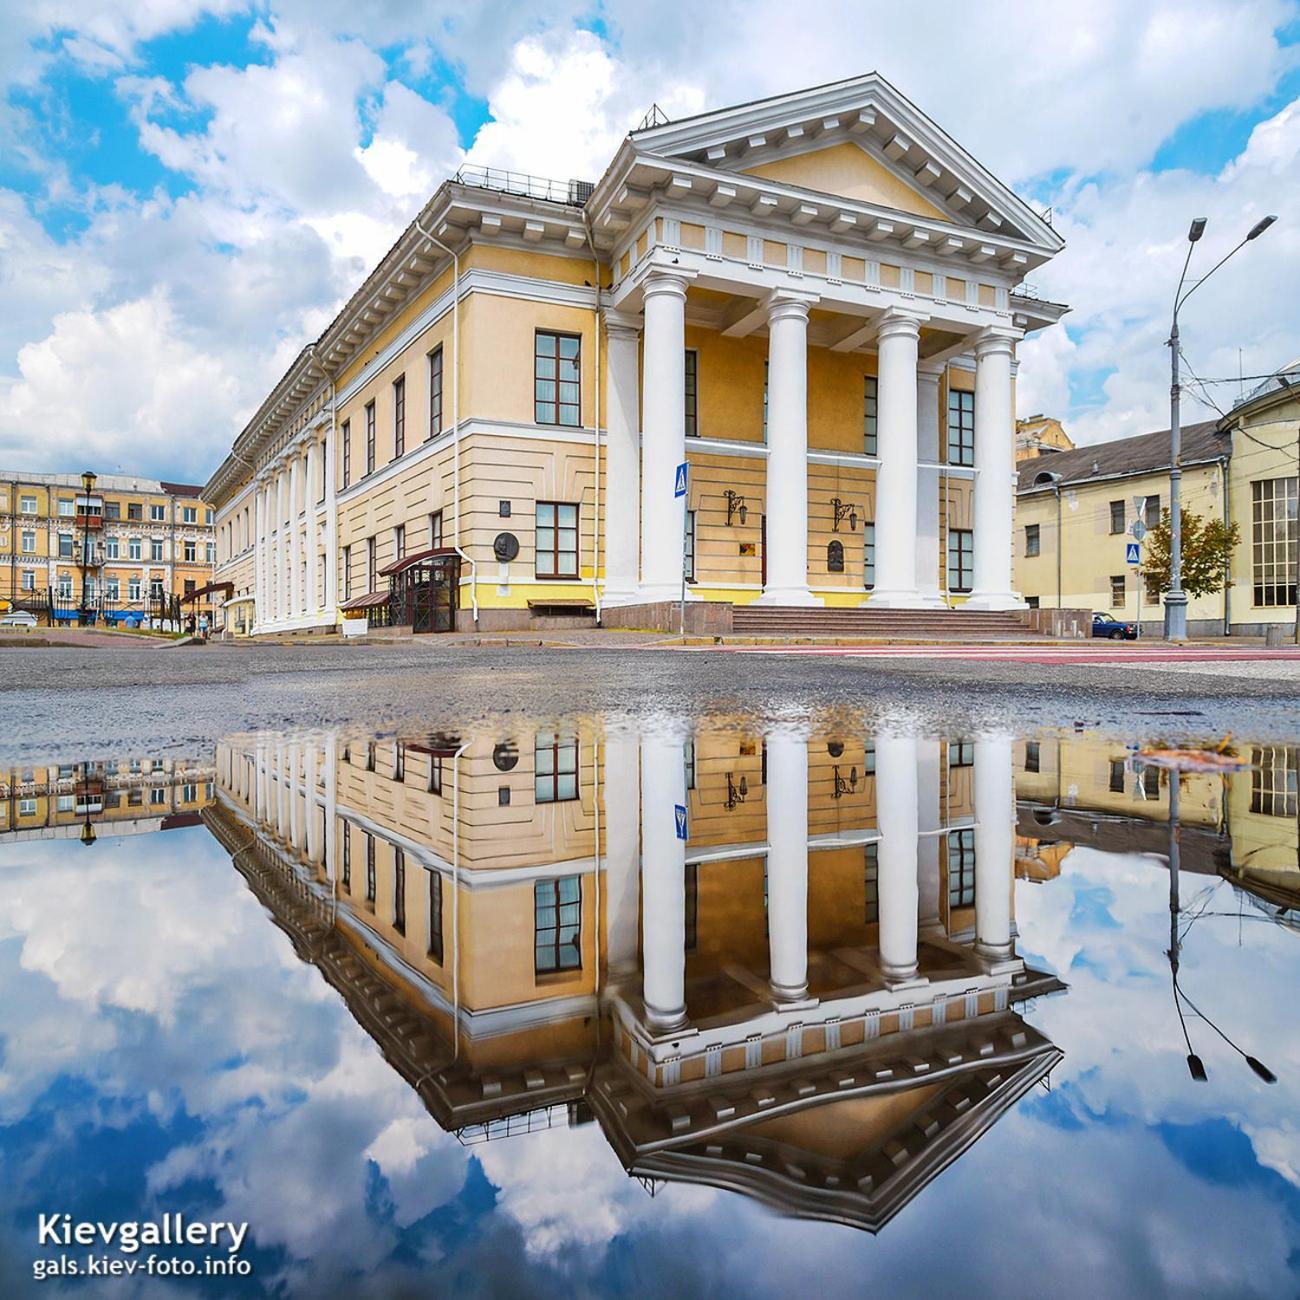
(812, 301)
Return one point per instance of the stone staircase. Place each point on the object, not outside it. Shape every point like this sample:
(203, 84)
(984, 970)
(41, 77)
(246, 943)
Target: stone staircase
(883, 624)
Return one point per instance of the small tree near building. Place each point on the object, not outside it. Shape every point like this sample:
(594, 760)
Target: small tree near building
(1207, 552)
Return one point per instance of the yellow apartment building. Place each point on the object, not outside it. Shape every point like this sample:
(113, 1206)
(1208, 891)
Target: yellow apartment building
(1037, 435)
(131, 540)
(118, 797)
(1076, 509)
(775, 963)
(812, 301)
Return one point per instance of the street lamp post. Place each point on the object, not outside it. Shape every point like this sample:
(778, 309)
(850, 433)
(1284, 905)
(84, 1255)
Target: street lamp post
(1176, 597)
(87, 486)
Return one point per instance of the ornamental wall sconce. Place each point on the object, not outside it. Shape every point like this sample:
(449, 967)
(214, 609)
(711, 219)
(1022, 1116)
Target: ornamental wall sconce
(736, 793)
(735, 506)
(842, 786)
(843, 510)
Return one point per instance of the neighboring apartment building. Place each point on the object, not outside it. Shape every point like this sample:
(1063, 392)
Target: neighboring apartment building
(133, 540)
(806, 993)
(812, 300)
(1040, 435)
(1241, 469)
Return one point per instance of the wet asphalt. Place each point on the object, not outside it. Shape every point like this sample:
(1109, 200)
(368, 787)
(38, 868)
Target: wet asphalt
(69, 704)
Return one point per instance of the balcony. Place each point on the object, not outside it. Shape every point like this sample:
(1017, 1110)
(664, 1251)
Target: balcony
(90, 521)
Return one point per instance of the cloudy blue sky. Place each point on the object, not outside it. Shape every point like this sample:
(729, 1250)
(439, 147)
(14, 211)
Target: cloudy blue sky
(190, 188)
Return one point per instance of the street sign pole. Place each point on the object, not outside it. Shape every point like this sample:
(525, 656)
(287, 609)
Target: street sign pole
(679, 490)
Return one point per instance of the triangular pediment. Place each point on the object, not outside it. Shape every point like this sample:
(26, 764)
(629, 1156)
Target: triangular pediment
(847, 171)
(858, 140)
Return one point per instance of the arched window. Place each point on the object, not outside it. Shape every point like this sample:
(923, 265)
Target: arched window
(835, 557)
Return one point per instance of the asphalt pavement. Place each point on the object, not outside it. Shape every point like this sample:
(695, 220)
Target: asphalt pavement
(61, 705)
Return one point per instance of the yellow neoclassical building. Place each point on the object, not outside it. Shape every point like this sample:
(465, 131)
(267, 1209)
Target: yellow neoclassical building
(1076, 510)
(813, 301)
(777, 963)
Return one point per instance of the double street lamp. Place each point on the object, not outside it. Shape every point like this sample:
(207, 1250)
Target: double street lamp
(1176, 597)
(87, 487)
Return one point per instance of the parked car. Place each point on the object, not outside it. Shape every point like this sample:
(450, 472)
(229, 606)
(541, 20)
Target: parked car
(1114, 629)
(18, 618)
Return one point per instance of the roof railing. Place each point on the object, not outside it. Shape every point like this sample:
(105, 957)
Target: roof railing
(572, 192)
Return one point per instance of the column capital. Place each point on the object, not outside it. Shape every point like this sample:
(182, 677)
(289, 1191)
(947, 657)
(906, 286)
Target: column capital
(995, 339)
(930, 372)
(620, 325)
(660, 279)
(789, 304)
(897, 323)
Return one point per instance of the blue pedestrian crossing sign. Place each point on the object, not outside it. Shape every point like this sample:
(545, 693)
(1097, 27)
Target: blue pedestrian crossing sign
(1132, 553)
(679, 815)
(679, 483)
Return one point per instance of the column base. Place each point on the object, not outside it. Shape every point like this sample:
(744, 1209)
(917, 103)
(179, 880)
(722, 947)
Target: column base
(998, 959)
(995, 600)
(664, 1023)
(784, 996)
(899, 599)
(787, 596)
(933, 600)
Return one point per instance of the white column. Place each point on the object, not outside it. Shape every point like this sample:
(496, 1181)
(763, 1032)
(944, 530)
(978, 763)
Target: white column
(663, 440)
(331, 806)
(995, 473)
(295, 800)
(663, 883)
(621, 820)
(295, 537)
(623, 462)
(927, 485)
(259, 554)
(278, 551)
(927, 859)
(896, 818)
(313, 597)
(995, 846)
(896, 478)
(787, 865)
(331, 527)
(786, 504)
(311, 813)
(281, 788)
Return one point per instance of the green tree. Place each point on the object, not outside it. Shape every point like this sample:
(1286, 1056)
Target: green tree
(1207, 552)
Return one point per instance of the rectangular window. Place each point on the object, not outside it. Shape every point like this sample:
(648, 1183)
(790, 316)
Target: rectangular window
(370, 869)
(435, 774)
(557, 924)
(688, 548)
(871, 873)
(555, 767)
(1116, 782)
(67, 508)
(112, 546)
(1116, 516)
(399, 541)
(870, 415)
(27, 505)
(961, 753)
(1273, 541)
(65, 546)
(961, 428)
(157, 514)
(155, 588)
(156, 549)
(692, 393)
(1275, 780)
(1032, 540)
(133, 589)
(370, 437)
(157, 795)
(556, 378)
(961, 559)
(212, 552)
(1118, 590)
(113, 510)
(27, 807)
(435, 392)
(347, 855)
(556, 540)
(399, 761)
(692, 937)
(65, 586)
(134, 512)
(1152, 512)
(1032, 753)
(399, 891)
(399, 416)
(29, 579)
(869, 555)
(133, 548)
(370, 756)
(435, 529)
(371, 565)
(29, 542)
(191, 551)
(113, 588)
(189, 514)
(961, 869)
(435, 916)
(347, 452)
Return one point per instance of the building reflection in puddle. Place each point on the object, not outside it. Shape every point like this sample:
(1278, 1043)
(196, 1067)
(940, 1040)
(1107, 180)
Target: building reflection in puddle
(770, 963)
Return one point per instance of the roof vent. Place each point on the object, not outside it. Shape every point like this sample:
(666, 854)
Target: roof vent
(1096, 467)
(580, 192)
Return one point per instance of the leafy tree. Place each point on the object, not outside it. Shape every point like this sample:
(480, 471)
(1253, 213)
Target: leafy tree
(1207, 551)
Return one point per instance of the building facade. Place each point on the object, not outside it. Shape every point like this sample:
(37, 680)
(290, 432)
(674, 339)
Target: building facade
(812, 301)
(1038, 435)
(132, 541)
(1076, 510)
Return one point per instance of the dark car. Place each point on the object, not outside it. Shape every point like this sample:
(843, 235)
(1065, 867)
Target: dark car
(1113, 628)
